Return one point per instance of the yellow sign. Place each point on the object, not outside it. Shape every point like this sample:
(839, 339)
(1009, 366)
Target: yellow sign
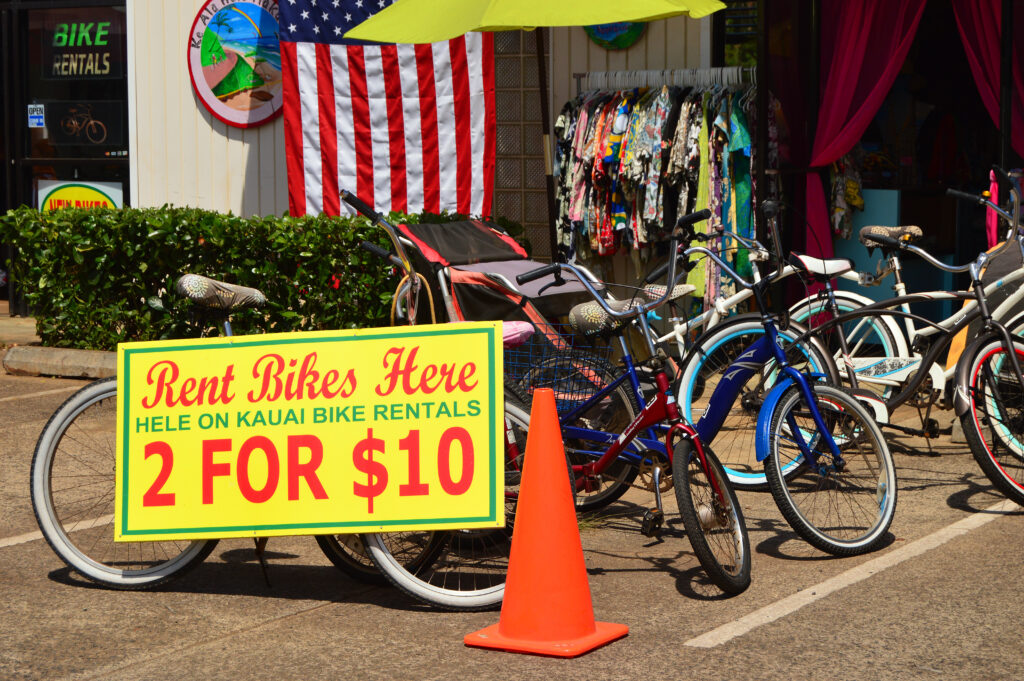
(56, 194)
(311, 433)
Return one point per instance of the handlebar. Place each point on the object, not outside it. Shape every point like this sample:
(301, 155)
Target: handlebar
(539, 273)
(635, 310)
(361, 206)
(693, 218)
(381, 253)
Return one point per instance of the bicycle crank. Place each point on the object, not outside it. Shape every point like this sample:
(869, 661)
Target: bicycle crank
(645, 478)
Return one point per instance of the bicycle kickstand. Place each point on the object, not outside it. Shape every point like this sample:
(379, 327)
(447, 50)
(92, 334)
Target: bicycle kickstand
(261, 545)
(653, 519)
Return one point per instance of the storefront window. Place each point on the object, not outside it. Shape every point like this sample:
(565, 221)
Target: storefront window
(75, 83)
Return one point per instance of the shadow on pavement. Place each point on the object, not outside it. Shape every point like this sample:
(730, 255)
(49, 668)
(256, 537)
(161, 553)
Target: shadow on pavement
(293, 582)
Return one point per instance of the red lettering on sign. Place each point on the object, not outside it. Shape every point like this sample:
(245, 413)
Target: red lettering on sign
(411, 444)
(429, 380)
(258, 496)
(444, 463)
(278, 380)
(306, 470)
(211, 469)
(206, 390)
(153, 496)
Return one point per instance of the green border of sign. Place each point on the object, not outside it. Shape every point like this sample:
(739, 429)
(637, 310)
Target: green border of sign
(492, 515)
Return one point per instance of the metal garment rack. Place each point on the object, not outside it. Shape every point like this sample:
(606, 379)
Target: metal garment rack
(621, 80)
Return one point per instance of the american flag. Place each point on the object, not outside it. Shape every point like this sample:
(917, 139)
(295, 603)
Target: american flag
(408, 128)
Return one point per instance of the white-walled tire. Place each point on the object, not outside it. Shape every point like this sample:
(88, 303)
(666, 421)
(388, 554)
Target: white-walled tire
(73, 486)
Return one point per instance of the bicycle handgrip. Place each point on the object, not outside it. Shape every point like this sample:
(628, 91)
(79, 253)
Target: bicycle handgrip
(538, 273)
(361, 206)
(693, 218)
(1001, 174)
(381, 253)
(964, 196)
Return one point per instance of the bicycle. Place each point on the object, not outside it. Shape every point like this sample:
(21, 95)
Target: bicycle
(705, 361)
(825, 461)
(986, 388)
(79, 120)
(72, 483)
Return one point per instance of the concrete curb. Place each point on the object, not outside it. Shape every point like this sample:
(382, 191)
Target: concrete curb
(34, 360)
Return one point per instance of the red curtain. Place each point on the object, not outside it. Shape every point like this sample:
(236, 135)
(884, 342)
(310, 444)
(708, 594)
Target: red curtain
(979, 22)
(863, 47)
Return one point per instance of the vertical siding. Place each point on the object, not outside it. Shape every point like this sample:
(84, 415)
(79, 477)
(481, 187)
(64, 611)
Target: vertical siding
(180, 154)
(676, 43)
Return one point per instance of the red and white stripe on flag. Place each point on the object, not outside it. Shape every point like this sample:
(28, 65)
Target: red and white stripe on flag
(408, 128)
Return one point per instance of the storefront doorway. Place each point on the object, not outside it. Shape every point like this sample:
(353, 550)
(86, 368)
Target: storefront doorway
(65, 102)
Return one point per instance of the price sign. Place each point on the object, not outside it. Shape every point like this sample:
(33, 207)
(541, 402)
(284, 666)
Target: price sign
(313, 433)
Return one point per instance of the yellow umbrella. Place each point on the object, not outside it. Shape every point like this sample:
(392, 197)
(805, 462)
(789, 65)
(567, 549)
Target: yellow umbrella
(428, 21)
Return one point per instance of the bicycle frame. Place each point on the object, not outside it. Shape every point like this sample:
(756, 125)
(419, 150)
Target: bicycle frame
(949, 329)
(664, 409)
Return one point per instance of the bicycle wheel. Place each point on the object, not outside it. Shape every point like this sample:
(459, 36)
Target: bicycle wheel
(873, 340)
(704, 367)
(95, 131)
(713, 520)
(469, 570)
(994, 424)
(611, 414)
(349, 554)
(73, 498)
(845, 507)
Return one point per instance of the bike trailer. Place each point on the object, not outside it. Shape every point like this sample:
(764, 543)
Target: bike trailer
(474, 265)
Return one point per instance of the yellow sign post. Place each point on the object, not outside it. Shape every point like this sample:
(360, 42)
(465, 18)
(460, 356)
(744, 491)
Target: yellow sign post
(311, 433)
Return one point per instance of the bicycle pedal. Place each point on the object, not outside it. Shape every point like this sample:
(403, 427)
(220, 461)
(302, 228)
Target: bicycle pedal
(650, 526)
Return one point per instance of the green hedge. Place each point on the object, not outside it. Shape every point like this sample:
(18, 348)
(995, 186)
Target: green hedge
(94, 278)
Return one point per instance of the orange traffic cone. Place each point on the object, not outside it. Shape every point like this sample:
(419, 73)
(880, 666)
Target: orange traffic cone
(547, 608)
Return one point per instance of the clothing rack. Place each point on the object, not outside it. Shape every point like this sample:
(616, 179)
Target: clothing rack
(620, 80)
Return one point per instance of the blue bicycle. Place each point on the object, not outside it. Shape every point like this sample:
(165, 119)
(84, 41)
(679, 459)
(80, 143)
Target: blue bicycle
(827, 464)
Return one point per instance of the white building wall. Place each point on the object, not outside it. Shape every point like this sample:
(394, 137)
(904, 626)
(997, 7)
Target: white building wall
(180, 154)
(676, 43)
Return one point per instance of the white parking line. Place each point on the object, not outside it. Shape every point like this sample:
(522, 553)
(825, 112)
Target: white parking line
(40, 394)
(20, 539)
(791, 604)
(32, 536)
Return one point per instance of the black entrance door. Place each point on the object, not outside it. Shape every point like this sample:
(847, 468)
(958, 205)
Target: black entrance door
(65, 104)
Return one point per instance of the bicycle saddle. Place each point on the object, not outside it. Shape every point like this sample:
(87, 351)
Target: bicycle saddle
(913, 232)
(218, 295)
(820, 268)
(655, 291)
(590, 318)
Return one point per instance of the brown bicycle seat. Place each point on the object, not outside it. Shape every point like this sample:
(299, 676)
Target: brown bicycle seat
(218, 295)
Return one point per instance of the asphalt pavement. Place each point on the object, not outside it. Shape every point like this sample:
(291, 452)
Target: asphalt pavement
(937, 602)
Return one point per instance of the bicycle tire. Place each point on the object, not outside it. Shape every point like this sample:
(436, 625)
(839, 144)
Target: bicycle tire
(703, 368)
(96, 131)
(994, 424)
(869, 335)
(349, 554)
(72, 481)
(609, 415)
(469, 571)
(846, 512)
(715, 526)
